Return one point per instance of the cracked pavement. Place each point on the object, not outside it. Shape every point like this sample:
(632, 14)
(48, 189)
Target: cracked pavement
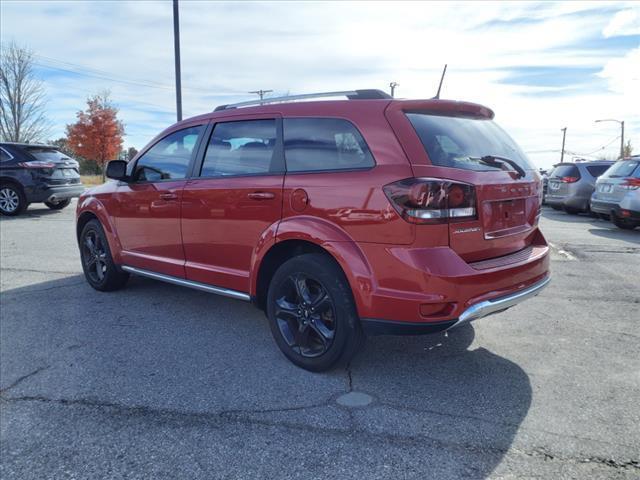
(158, 381)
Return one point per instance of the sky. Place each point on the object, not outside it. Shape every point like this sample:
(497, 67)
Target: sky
(540, 66)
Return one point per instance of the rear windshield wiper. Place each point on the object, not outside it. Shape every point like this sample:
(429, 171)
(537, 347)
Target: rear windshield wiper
(496, 161)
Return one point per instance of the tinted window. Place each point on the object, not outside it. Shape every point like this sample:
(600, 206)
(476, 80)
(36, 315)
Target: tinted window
(4, 156)
(597, 170)
(240, 148)
(169, 158)
(312, 144)
(623, 169)
(565, 171)
(47, 154)
(460, 142)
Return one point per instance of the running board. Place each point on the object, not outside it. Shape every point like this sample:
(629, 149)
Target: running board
(188, 283)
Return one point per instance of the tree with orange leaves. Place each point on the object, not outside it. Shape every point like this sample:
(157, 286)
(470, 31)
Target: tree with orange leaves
(97, 135)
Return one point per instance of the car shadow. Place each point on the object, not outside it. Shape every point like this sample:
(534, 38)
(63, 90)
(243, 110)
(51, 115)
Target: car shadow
(632, 236)
(469, 397)
(155, 346)
(36, 212)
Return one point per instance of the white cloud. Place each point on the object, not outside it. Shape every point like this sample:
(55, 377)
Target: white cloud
(625, 22)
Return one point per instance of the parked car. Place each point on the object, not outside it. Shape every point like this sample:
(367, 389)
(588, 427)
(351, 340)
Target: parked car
(32, 173)
(545, 184)
(617, 193)
(571, 184)
(338, 218)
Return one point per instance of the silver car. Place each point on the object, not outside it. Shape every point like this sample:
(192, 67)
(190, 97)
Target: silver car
(617, 193)
(570, 185)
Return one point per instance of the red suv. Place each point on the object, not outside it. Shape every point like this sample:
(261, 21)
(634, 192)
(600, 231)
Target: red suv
(338, 218)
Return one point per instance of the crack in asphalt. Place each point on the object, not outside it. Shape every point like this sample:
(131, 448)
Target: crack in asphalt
(33, 270)
(23, 378)
(239, 416)
(25, 293)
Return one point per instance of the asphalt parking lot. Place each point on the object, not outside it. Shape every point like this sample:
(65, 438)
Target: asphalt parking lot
(157, 381)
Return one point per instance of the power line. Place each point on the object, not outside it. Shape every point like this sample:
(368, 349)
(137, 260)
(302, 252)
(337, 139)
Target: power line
(69, 67)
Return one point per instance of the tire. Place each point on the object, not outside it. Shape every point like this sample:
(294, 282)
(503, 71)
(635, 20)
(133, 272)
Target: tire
(623, 223)
(97, 263)
(572, 211)
(58, 205)
(12, 200)
(312, 314)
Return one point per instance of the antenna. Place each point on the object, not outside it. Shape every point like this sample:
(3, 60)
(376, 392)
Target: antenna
(441, 80)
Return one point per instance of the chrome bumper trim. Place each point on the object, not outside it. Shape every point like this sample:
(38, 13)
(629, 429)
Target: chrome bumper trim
(188, 283)
(496, 305)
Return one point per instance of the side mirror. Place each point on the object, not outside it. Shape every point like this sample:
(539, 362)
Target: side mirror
(117, 169)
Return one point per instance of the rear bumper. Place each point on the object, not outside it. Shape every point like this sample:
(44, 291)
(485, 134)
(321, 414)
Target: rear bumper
(474, 312)
(620, 209)
(47, 193)
(600, 206)
(431, 289)
(571, 201)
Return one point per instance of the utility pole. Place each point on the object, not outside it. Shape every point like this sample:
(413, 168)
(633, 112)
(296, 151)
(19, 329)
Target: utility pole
(261, 93)
(393, 86)
(621, 122)
(564, 136)
(176, 46)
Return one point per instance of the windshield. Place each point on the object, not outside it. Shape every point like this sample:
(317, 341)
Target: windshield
(461, 142)
(621, 169)
(47, 154)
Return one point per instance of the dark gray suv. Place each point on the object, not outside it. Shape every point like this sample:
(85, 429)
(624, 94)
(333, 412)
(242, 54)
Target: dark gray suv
(570, 185)
(32, 173)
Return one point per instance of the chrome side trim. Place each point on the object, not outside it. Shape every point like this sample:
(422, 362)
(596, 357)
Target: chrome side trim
(188, 283)
(488, 307)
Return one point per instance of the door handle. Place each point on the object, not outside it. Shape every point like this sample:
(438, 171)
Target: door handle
(261, 195)
(168, 196)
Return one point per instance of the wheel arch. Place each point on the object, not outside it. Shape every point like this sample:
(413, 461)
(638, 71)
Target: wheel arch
(346, 255)
(90, 208)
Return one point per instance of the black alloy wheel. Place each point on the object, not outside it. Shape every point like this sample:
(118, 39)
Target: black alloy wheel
(312, 314)
(99, 268)
(305, 315)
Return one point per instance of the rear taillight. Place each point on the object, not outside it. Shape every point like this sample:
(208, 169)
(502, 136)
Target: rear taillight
(429, 200)
(569, 179)
(37, 164)
(631, 183)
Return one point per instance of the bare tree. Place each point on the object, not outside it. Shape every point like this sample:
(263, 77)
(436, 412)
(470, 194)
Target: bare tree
(22, 97)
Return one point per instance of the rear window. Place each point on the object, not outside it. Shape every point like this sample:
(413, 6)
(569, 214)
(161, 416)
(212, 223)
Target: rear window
(316, 144)
(597, 170)
(623, 168)
(460, 142)
(47, 154)
(565, 171)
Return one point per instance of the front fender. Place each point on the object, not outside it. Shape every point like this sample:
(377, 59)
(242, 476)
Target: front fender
(93, 205)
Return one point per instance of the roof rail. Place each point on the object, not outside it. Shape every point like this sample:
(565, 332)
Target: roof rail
(369, 94)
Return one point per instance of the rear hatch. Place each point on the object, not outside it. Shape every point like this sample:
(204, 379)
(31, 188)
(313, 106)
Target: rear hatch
(563, 175)
(53, 167)
(612, 186)
(465, 151)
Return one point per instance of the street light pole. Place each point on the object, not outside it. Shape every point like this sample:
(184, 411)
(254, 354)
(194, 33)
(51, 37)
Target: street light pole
(393, 86)
(176, 46)
(564, 136)
(621, 122)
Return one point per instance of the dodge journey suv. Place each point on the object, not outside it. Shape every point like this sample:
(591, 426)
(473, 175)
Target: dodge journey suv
(338, 218)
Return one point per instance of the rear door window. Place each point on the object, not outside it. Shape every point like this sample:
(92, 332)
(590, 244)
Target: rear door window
(321, 144)
(4, 155)
(597, 170)
(245, 147)
(460, 142)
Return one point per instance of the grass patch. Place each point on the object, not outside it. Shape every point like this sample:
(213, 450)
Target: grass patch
(91, 180)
